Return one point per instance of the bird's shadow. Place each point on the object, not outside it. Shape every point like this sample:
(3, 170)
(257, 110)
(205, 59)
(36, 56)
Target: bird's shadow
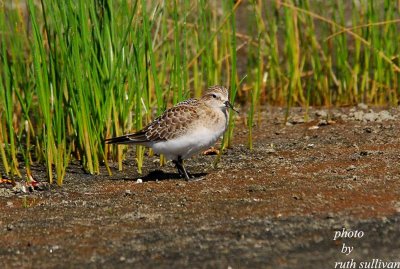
(159, 175)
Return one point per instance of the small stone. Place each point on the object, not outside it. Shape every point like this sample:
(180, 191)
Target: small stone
(139, 180)
(6, 192)
(359, 115)
(314, 127)
(370, 116)
(9, 204)
(362, 106)
(10, 227)
(322, 123)
(384, 115)
(368, 130)
(351, 167)
(321, 113)
(344, 117)
(18, 188)
(128, 192)
(297, 119)
(270, 150)
(296, 197)
(53, 248)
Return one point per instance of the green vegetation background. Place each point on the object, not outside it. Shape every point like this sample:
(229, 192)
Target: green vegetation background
(74, 72)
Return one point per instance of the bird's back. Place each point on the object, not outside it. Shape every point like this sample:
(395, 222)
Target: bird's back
(173, 123)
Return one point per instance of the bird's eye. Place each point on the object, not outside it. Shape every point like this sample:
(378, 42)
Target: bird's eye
(214, 96)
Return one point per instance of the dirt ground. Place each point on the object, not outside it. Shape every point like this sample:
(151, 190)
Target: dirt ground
(278, 206)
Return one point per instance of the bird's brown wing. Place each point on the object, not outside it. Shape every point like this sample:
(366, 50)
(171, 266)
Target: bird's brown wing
(172, 123)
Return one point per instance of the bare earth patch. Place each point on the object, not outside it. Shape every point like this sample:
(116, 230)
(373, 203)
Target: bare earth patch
(277, 206)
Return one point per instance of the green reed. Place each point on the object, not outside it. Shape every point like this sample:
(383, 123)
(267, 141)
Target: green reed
(76, 72)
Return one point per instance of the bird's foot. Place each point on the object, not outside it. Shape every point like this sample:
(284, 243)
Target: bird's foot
(194, 179)
(185, 174)
(181, 169)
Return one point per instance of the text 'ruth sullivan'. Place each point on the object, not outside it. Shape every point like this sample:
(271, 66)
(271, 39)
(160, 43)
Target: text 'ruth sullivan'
(374, 263)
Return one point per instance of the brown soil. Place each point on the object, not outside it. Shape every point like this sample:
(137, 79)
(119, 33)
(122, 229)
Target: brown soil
(277, 206)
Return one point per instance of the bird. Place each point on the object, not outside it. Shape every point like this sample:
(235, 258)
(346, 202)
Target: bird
(189, 127)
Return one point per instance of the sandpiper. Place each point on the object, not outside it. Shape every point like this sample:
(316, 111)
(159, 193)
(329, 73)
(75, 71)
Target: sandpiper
(186, 129)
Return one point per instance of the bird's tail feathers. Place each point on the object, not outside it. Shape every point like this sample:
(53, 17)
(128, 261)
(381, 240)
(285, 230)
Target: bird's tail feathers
(136, 138)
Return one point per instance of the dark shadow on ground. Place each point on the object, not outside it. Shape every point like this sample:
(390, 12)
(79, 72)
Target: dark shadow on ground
(159, 175)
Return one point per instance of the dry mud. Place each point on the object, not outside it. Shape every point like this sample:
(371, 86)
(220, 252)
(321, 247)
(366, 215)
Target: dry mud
(277, 206)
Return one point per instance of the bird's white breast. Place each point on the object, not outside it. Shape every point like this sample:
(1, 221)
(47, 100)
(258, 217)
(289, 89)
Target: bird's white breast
(201, 137)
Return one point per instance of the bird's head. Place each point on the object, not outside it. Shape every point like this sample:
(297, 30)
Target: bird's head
(217, 97)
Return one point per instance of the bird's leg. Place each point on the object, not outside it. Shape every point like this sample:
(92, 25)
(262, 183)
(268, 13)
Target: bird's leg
(184, 171)
(181, 168)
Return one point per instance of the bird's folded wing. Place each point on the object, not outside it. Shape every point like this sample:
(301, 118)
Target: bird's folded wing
(173, 123)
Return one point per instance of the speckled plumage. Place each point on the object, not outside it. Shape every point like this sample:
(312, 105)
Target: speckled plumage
(187, 128)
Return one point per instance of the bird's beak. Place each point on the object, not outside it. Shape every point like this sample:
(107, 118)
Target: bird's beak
(228, 104)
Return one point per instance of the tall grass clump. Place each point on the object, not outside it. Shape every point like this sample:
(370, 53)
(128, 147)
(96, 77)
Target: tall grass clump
(75, 72)
(323, 53)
